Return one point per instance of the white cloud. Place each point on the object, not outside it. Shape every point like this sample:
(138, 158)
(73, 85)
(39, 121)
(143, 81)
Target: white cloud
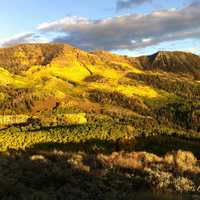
(124, 4)
(17, 39)
(67, 21)
(146, 40)
(120, 32)
(192, 50)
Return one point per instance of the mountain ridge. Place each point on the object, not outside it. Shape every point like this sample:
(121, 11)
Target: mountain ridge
(19, 58)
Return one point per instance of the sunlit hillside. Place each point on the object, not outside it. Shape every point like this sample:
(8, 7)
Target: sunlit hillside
(59, 102)
(61, 72)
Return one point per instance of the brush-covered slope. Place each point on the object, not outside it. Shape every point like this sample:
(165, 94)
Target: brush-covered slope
(38, 78)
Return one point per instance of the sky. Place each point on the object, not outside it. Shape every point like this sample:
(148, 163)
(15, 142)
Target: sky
(131, 27)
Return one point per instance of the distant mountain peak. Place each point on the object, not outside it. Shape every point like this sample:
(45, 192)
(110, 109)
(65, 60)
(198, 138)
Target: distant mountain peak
(171, 61)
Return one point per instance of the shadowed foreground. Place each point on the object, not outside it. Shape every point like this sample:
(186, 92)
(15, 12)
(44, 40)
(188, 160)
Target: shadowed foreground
(49, 171)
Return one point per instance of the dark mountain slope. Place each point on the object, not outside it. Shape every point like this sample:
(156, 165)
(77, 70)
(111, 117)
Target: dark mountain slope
(176, 62)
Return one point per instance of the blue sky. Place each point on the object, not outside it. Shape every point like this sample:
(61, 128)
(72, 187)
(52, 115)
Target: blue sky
(93, 24)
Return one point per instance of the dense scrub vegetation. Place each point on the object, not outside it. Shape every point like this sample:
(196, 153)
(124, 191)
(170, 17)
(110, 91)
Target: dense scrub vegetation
(184, 114)
(16, 100)
(118, 99)
(178, 86)
(59, 174)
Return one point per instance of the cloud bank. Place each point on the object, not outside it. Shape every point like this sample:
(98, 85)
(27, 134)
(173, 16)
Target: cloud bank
(125, 4)
(24, 38)
(18, 39)
(125, 32)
